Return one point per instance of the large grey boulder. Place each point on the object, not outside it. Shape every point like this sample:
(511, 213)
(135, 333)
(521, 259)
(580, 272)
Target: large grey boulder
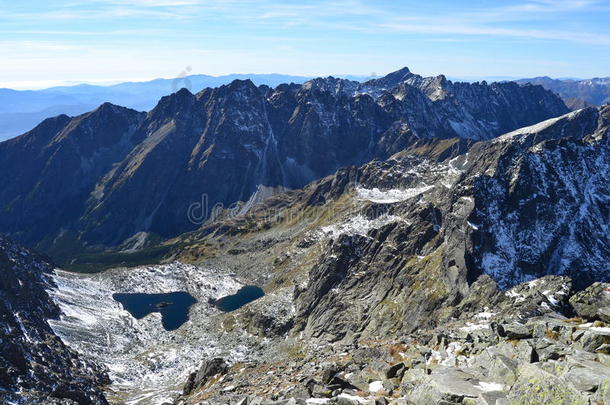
(514, 331)
(536, 386)
(444, 385)
(209, 368)
(593, 303)
(586, 375)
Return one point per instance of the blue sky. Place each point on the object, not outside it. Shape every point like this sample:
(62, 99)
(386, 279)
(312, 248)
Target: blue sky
(43, 43)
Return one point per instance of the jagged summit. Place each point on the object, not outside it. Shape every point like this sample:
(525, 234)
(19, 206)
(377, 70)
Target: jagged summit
(390, 80)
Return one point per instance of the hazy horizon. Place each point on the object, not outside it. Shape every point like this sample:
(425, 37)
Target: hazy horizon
(55, 84)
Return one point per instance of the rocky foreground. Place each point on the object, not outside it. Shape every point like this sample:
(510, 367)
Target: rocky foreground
(533, 344)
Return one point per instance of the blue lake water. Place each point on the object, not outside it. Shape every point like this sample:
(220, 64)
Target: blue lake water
(174, 306)
(245, 295)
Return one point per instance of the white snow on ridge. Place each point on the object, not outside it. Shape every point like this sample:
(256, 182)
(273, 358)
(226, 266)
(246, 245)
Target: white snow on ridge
(390, 196)
(541, 126)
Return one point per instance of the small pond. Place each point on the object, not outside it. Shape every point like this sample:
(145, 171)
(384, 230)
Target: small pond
(174, 306)
(245, 295)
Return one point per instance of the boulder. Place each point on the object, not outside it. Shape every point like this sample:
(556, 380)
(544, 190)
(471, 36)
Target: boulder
(603, 393)
(603, 313)
(592, 303)
(444, 385)
(208, 369)
(586, 375)
(396, 371)
(593, 339)
(514, 331)
(495, 366)
(535, 386)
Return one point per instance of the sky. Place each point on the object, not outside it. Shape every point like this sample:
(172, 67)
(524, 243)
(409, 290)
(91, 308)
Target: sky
(45, 43)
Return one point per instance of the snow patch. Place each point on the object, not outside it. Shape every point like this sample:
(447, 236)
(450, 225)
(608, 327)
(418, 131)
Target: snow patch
(358, 225)
(390, 196)
(376, 386)
(490, 386)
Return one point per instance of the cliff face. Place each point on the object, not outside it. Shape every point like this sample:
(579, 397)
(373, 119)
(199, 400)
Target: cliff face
(116, 175)
(35, 365)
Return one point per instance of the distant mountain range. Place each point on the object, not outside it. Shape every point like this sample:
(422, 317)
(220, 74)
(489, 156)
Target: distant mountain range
(21, 111)
(576, 93)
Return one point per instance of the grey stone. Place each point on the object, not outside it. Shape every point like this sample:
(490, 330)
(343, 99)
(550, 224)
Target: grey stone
(444, 384)
(514, 331)
(587, 303)
(585, 374)
(396, 371)
(208, 369)
(535, 387)
(603, 393)
(491, 398)
(604, 314)
(592, 340)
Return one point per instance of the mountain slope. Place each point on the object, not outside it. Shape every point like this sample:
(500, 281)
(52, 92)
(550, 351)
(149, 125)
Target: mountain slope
(35, 365)
(438, 275)
(55, 167)
(238, 142)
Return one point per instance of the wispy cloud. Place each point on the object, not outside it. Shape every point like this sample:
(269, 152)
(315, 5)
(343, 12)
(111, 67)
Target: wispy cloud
(469, 29)
(503, 21)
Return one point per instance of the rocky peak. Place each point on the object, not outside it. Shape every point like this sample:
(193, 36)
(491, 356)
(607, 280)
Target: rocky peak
(332, 85)
(390, 81)
(178, 104)
(101, 128)
(575, 124)
(239, 88)
(604, 117)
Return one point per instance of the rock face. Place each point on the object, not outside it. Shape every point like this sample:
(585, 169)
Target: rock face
(117, 176)
(35, 365)
(208, 369)
(541, 202)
